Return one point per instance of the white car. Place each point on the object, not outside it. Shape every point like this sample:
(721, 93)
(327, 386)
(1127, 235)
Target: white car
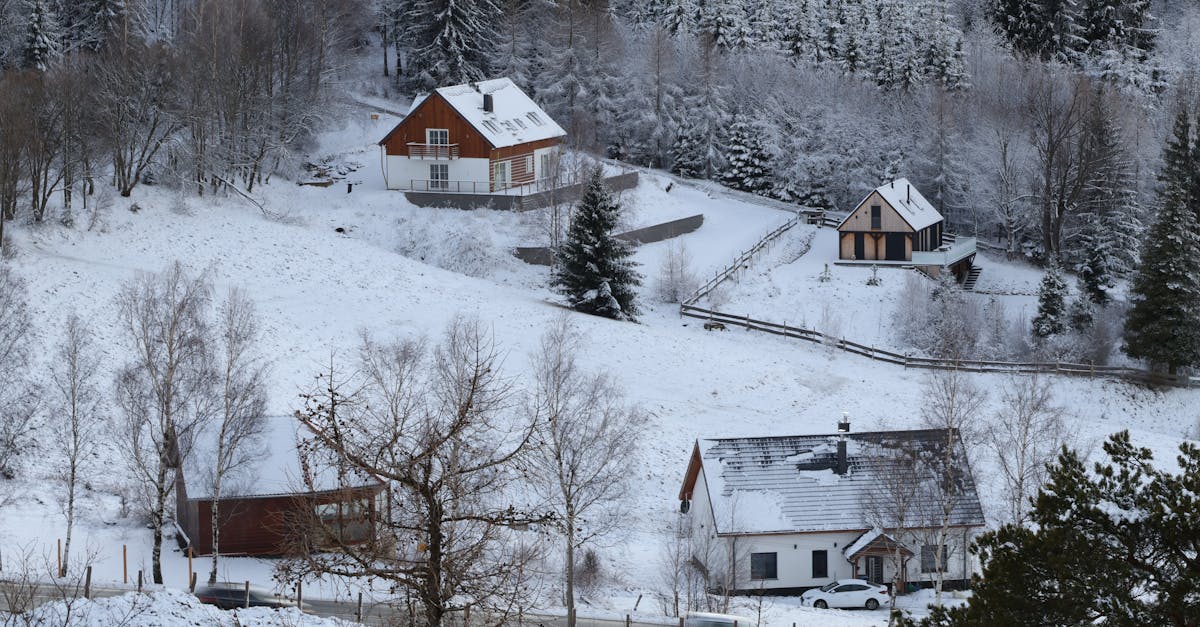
(846, 593)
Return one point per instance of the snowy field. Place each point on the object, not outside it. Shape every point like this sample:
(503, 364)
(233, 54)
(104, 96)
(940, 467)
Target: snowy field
(398, 270)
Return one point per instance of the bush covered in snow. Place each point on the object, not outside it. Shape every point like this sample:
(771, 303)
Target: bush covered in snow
(468, 247)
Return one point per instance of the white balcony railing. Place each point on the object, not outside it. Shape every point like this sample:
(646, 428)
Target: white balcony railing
(946, 256)
(432, 151)
(485, 187)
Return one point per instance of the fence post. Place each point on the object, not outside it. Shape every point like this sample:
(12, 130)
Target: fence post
(300, 594)
(358, 611)
(629, 621)
(139, 581)
(192, 583)
(246, 598)
(60, 564)
(125, 563)
(467, 616)
(87, 584)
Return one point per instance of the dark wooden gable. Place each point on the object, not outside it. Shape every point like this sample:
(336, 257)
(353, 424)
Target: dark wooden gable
(435, 112)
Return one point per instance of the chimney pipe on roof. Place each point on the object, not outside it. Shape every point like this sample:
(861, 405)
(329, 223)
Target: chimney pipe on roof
(842, 465)
(908, 193)
(487, 103)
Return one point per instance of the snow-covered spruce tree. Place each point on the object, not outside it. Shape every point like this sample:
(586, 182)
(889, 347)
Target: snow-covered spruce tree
(688, 152)
(1119, 25)
(594, 268)
(43, 35)
(1163, 327)
(722, 23)
(1052, 304)
(1046, 29)
(452, 40)
(747, 164)
(1109, 222)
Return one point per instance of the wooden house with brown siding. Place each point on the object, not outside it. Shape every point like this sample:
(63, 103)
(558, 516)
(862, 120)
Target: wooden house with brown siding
(896, 225)
(480, 138)
(269, 507)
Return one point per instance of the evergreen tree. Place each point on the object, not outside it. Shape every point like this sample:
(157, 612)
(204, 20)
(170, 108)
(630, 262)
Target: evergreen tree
(1082, 312)
(1046, 29)
(1163, 326)
(452, 41)
(722, 23)
(1052, 304)
(43, 35)
(747, 165)
(1110, 228)
(687, 153)
(594, 270)
(1113, 546)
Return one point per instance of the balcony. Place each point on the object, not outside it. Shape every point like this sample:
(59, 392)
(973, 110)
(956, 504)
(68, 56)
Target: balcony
(432, 151)
(947, 255)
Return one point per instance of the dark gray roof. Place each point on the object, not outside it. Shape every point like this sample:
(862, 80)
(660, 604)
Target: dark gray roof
(788, 483)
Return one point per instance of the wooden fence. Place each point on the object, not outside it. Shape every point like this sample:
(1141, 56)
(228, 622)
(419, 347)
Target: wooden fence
(689, 309)
(742, 261)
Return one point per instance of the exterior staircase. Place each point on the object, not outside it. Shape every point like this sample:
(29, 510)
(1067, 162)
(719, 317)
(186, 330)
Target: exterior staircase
(972, 277)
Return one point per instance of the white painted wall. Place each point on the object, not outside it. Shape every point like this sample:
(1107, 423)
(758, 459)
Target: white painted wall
(399, 171)
(539, 172)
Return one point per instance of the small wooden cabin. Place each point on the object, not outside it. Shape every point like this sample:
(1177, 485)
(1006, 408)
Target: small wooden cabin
(482, 137)
(890, 224)
(267, 508)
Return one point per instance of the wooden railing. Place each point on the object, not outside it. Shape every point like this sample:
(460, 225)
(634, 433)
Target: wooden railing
(689, 309)
(432, 151)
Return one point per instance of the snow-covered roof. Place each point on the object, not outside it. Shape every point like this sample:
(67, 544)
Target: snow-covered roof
(514, 119)
(867, 539)
(275, 468)
(908, 202)
(788, 484)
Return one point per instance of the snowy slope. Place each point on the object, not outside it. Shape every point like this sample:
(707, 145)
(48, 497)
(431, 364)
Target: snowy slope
(316, 288)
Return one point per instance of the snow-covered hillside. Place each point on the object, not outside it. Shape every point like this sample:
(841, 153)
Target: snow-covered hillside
(398, 270)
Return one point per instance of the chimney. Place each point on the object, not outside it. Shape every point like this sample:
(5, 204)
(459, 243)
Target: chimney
(842, 466)
(487, 103)
(907, 192)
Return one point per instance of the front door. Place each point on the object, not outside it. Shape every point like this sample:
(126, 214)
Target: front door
(895, 247)
(875, 569)
(860, 248)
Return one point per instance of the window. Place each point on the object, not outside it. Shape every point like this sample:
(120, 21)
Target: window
(876, 217)
(547, 165)
(500, 175)
(763, 566)
(533, 117)
(439, 176)
(820, 561)
(439, 136)
(929, 561)
(491, 126)
(519, 123)
(529, 164)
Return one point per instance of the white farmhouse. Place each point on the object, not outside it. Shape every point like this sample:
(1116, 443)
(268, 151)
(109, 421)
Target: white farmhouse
(784, 514)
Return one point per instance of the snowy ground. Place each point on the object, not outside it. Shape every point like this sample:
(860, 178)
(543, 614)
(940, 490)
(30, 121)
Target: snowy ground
(784, 285)
(388, 273)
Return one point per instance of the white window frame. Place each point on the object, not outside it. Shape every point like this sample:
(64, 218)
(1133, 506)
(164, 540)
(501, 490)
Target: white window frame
(429, 136)
(501, 182)
(436, 181)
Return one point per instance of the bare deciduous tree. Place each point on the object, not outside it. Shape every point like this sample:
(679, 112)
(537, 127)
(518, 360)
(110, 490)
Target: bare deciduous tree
(952, 406)
(164, 391)
(676, 278)
(18, 395)
(1025, 435)
(78, 414)
(895, 503)
(240, 425)
(586, 441)
(440, 431)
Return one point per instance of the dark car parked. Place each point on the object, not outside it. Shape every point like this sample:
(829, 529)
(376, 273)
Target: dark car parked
(228, 596)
